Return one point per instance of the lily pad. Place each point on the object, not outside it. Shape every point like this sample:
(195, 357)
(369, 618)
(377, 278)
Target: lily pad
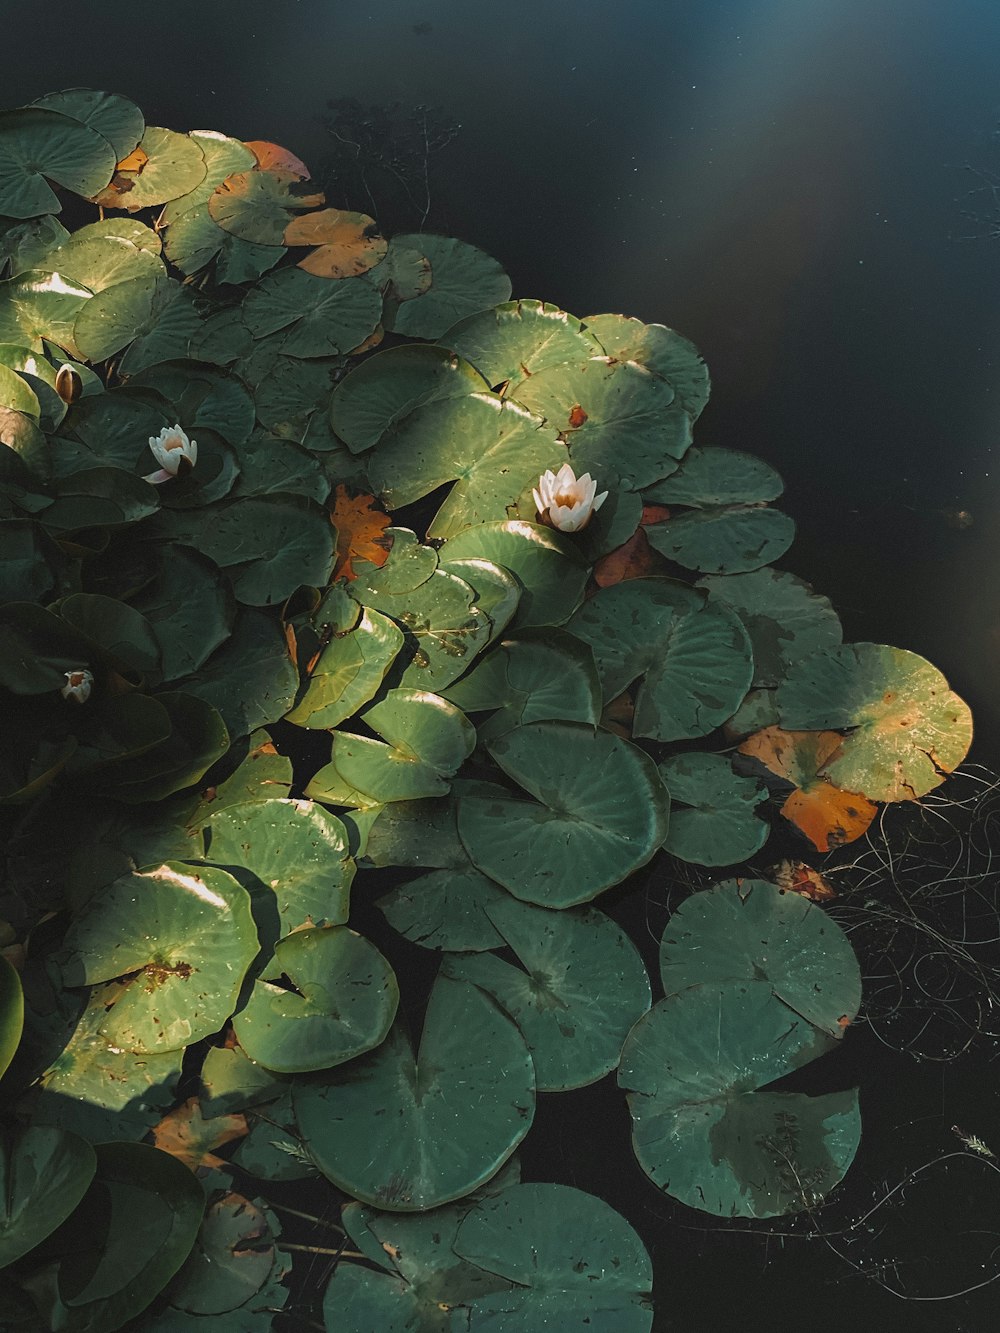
(701, 1129)
(709, 478)
(409, 1133)
(106, 1275)
(38, 145)
(621, 423)
(223, 156)
(11, 1015)
(350, 668)
(750, 930)
(233, 1257)
(575, 1262)
(693, 650)
(296, 849)
(37, 306)
(347, 244)
(384, 389)
(730, 539)
(518, 339)
(319, 318)
(599, 812)
(493, 450)
(549, 570)
(426, 739)
(661, 350)
(784, 618)
(908, 729)
(44, 1173)
(580, 988)
(111, 115)
(184, 936)
(464, 280)
(538, 676)
(194, 240)
(250, 680)
(189, 607)
(152, 316)
(447, 909)
(340, 1004)
(719, 826)
(258, 205)
(165, 166)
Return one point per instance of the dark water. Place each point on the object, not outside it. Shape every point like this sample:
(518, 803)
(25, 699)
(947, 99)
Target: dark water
(782, 182)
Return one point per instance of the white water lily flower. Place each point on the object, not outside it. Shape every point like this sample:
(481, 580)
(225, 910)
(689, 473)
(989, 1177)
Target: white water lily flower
(78, 685)
(569, 502)
(171, 448)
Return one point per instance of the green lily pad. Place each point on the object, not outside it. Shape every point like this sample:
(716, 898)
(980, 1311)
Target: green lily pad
(296, 849)
(694, 654)
(274, 1149)
(292, 391)
(750, 930)
(44, 1173)
(493, 450)
(98, 1090)
(541, 675)
(403, 273)
(341, 1003)
(26, 244)
(319, 317)
(907, 728)
(496, 590)
(189, 607)
(447, 909)
(709, 478)
(269, 545)
(417, 833)
(111, 115)
(730, 539)
(409, 1133)
(520, 338)
(575, 1263)
(198, 737)
(106, 1275)
(223, 156)
(350, 668)
(443, 627)
(426, 739)
(37, 306)
(232, 1082)
(11, 1014)
(257, 205)
(621, 423)
(580, 988)
(194, 240)
(152, 316)
(250, 680)
(171, 165)
(703, 1132)
(233, 1257)
(101, 259)
(111, 629)
(599, 812)
(204, 396)
(384, 389)
(784, 618)
(718, 827)
(184, 936)
(661, 350)
(464, 280)
(550, 571)
(37, 146)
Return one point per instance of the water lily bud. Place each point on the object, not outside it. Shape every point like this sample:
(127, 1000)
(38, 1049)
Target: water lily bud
(69, 385)
(566, 501)
(173, 451)
(78, 685)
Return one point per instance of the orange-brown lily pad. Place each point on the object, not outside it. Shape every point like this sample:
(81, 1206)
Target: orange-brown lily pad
(347, 243)
(188, 1136)
(272, 157)
(258, 205)
(361, 532)
(825, 813)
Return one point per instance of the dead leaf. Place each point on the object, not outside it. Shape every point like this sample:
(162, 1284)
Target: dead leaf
(827, 815)
(630, 561)
(373, 340)
(797, 877)
(272, 157)
(618, 714)
(135, 161)
(360, 532)
(186, 1135)
(653, 514)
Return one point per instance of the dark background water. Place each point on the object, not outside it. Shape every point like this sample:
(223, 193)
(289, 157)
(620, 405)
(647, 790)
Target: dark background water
(781, 181)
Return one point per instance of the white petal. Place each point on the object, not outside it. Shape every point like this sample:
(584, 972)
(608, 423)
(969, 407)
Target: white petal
(599, 500)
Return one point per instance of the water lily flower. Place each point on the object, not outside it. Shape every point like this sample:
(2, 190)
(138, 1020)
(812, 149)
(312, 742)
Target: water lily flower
(173, 451)
(567, 501)
(78, 685)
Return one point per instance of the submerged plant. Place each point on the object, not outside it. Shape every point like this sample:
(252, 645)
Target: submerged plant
(518, 715)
